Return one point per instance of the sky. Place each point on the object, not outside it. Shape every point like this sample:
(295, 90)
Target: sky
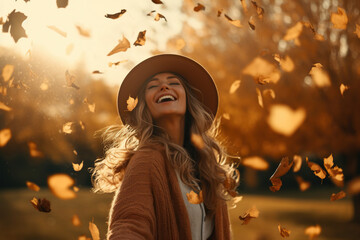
(104, 32)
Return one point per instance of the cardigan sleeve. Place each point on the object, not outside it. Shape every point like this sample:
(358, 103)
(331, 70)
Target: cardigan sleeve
(132, 214)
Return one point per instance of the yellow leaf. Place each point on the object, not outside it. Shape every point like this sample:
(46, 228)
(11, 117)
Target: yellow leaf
(122, 46)
(343, 88)
(269, 92)
(262, 71)
(294, 32)
(67, 128)
(339, 19)
(336, 173)
(32, 186)
(60, 184)
(320, 76)
(5, 136)
(7, 72)
(194, 198)
(226, 116)
(95, 234)
(297, 163)
(131, 103)
(287, 65)
(256, 163)
(234, 86)
(78, 167)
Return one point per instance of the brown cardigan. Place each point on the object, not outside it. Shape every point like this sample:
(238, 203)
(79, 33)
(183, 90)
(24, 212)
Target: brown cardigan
(149, 204)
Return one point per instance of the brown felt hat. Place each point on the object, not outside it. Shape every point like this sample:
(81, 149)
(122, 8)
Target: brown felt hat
(190, 70)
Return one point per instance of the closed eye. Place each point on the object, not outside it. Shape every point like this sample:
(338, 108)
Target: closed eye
(175, 83)
(152, 86)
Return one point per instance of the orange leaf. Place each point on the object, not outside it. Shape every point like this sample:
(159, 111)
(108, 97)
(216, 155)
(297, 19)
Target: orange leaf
(318, 171)
(336, 173)
(60, 184)
(116, 63)
(78, 167)
(243, 4)
(251, 23)
(57, 30)
(83, 237)
(194, 198)
(140, 41)
(234, 86)
(197, 140)
(283, 168)
(343, 88)
(320, 76)
(339, 19)
(337, 196)
(283, 231)
(83, 32)
(256, 163)
(122, 46)
(236, 23)
(219, 12)
(131, 103)
(42, 205)
(95, 234)
(297, 163)
(32, 186)
(5, 135)
(303, 185)
(199, 7)
(262, 71)
(276, 184)
(158, 16)
(4, 107)
(34, 151)
(116, 15)
(294, 32)
(226, 116)
(269, 93)
(7, 72)
(250, 214)
(260, 99)
(313, 231)
(259, 10)
(75, 220)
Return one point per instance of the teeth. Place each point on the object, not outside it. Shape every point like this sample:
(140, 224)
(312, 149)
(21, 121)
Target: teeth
(165, 97)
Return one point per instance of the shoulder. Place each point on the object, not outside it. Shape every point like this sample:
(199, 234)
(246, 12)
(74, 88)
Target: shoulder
(147, 157)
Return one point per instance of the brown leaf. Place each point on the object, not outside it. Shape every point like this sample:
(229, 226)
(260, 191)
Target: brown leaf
(14, 22)
(97, 72)
(77, 167)
(283, 231)
(116, 15)
(297, 163)
(199, 7)
(42, 205)
(343, 88)
(283, 168)
(75, 220)
(313, 231)
(122, 46)
(276, 184)
(62, 3)
(32, 186)
(236, 23)
(140, 41)
(195, 198)
(5, 136)
(219, 12)
(250, 214)
(83, 32)
(158, 16)
(234, 86)
(256, 163)
(339, 19)
(60, 184)
(4, 107)
(150, 13)
(251, 23)
(320, 76)
(259, 10)
(318, 171)
(95, 234)
(337, 196)
(131, 103)
(34, 151)
(7, 72)
(117, 63)
(157, 1)
(353, 186)
(70, 80)
(197, 141)
(57, 30)
(336, 173)
(303, 185)
(357, 30)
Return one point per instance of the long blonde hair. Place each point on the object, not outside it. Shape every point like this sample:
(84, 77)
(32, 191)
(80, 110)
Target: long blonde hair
(206, 166)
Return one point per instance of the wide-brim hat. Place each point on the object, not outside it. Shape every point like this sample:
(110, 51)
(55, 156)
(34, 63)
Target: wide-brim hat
(195, 74)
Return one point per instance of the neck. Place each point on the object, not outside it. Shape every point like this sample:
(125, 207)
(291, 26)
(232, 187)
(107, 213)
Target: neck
(174, 126)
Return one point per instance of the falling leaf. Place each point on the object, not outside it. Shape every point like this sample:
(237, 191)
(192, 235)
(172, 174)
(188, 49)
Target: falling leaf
(286, 64)
(117, 63)
(116, 15)
(97, 72)
(5, 135)
(250, 214)
(62, 3)
(262, 71)
(269, 92)
(75, 152)
(336, 173)
(4, 107)
(260, 99)
(157, 1)
(122, 46)
(70, 80)
(320, 76)
(244, 6)
(259, 10)
(158, 16)
(95, 234)
(140, 41)
(34, 151)
(57, 30)
(339, 19)
(256, 163)
(251, 23)
(76, 189)
(199, 7)
(276, 184)
(44, 86)
(197, 141)
(83, 32)
(283, 168)
(297, 163)
(230, 183)
(90, 106)
(82, 124)
(67, 127)
(7, 72)
(283, 231)
(313, 231)
(337, 196)
(60, 184)
(236, 23)
(14, 22)
(343, 88)
(32, 186)
(71, 101)
(42, 205)
(357, 31)
(319, 37)
(294, 32)
(195, 198)
(353, 186)
(219, 12)
(234, 86)
(318, 171)
(303, 185)
(75, 220)
(282, 119)
(77, 167)
(226, 116)
(150, 13)
(131, 103)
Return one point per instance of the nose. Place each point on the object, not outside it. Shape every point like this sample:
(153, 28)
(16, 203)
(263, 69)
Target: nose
(164, 86)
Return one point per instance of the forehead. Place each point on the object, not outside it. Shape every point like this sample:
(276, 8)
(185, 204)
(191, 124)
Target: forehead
(164, 76)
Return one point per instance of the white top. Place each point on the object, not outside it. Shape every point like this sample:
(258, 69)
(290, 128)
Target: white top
(201, 225)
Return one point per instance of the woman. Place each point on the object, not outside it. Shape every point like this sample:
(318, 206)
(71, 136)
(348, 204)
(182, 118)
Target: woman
(164, 150)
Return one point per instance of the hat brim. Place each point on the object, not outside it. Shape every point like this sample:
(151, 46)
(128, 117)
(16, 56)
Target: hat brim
(190, 70)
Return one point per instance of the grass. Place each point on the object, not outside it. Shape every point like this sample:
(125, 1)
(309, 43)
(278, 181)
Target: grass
(294, 211)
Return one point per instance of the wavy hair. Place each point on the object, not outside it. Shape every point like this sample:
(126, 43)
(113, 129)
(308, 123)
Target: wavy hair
(206, 166)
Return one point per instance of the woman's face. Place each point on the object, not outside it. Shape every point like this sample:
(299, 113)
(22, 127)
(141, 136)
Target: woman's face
(165, 96)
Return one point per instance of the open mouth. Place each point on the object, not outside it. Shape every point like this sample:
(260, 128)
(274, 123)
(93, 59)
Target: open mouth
(166, 98)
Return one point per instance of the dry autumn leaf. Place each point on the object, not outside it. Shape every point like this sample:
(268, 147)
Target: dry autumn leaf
(131, 103)
(283, 231)
(62, 3)
(122, 46)
(234, 86)
(60, 184)
(34, 151)
(259, 10)
(256, 163)
(76, 189)
(70, 80)
(7, 72)
(343, 88)
(303, 185)
(294, 32)
(67, 128)
(337, 196)
(282, 119)
(116, 63)
(32, 186)
(14, 22)
(157, 1)
(140, 41)
(5, 136)
(297, 163)
(250, 214)
(95, 234)
(336, 173)
(77, 167)
(199, 7)
(287, 64)
(260, 99)
(269, 92)
(57, 30)
(82, 125)
(83, 32)
(320, 76)
(283, 168)
(318, 171)
(90, 106)
(357, 30)
(339, 19)
(116, 15)
(244, 6)
(75, 220)
(251, 23)
(158, 16)
(226, 116)
(313, 231)
(4, 107)
(97, 72)
(236, 23)
(276, 184)
(197, 141)
(219, 12)
(75, 152)
(42, 205)
(262, 71)
(353, 186)
(195, 198)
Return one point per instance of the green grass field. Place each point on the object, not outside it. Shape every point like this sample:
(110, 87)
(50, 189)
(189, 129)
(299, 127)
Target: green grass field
(294, 211)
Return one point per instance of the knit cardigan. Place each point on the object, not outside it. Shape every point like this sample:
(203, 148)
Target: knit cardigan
(149, 205)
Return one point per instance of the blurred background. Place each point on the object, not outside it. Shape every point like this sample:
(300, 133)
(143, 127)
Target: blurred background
(288, 74)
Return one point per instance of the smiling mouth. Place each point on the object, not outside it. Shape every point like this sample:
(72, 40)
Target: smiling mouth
(166, 98)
